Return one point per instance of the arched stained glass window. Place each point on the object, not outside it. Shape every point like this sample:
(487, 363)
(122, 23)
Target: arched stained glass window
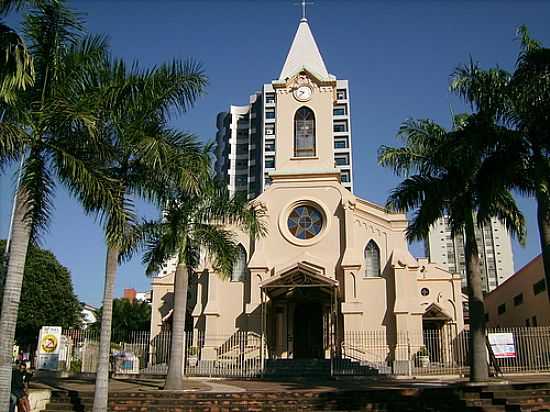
(372, 259)
(304, 133)
(239, 266)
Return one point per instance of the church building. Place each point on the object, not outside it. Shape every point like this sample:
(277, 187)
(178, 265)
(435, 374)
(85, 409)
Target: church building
(331, 264)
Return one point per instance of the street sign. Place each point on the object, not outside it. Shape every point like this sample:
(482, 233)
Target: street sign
(49, 343)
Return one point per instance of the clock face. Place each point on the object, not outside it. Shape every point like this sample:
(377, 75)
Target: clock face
(302, 93)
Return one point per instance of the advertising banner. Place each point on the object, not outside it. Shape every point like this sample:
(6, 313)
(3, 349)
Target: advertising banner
(502, 345)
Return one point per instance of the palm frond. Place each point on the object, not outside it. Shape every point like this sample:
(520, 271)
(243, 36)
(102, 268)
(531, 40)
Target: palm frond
(12, 143)
(7, 6)
(484, 90)
(528, 44)
(502, 205)
(52, 29)
(423, 138)
(158, 245)
(38, 185)
(175, 85)
(16, 65)
(80, 171)
(414, 191)
(220, 244)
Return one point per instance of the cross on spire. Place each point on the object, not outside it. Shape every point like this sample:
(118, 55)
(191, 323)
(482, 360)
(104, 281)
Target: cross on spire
(304, 3)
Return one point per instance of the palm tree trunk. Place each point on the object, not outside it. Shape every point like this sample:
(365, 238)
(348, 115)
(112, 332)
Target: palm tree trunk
(102, 377)
(176, 369)
(20, 236)
(479, 371)
(543, 218)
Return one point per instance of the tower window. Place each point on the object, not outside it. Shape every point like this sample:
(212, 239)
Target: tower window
(345, 176)
(339, 110)
(341, 142)
(539, 287)
(304, 133)
(340, 126)
(269, 162)
(372, 260)
(341, 159)
(341, 94)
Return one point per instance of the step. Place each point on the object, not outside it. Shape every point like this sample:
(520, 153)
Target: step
(430, 399)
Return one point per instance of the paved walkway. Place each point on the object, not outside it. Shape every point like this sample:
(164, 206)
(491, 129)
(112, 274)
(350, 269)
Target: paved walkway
(234, 385)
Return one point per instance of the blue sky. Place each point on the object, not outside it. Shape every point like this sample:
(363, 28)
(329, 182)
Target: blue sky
(397, 55)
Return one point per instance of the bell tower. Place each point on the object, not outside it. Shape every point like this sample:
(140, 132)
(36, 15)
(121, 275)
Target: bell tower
(304, 123)
(297, 125)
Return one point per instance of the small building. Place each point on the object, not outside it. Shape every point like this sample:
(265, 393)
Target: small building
(88, 314)
(521, 300)
(133, 295)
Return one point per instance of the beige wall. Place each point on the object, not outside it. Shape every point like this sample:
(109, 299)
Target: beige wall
(533, 305)
(392, 300)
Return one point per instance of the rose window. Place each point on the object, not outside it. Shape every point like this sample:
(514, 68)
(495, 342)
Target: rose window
(305, 222)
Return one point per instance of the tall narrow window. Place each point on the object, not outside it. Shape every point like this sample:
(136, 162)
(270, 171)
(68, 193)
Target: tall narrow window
(304, 133)
(372, 260)
(239, 266)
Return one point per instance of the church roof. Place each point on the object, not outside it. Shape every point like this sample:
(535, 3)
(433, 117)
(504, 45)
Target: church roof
(304, 54)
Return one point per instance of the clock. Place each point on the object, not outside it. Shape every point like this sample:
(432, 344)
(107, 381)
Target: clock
(303, 93)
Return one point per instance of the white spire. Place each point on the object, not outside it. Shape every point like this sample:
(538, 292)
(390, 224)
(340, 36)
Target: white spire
(304, 54)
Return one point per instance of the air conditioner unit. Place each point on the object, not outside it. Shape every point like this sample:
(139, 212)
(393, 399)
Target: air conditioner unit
(269, 131)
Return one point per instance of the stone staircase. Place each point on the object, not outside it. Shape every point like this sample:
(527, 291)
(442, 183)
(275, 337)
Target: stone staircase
(498, 398)
(280, 368)
(314, 368)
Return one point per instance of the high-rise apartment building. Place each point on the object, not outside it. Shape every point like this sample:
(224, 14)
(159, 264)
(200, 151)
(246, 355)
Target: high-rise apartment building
(495, 251)
(247, 136)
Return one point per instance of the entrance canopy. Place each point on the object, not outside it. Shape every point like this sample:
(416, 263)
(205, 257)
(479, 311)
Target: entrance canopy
(435, 313)
(434, 317)
(300, 276)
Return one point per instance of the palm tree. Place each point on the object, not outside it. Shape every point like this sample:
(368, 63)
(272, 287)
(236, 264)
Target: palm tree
(48, 126)
(16, 68)
(191, 223)
(445, 177)
(145, 154)
(524, 100)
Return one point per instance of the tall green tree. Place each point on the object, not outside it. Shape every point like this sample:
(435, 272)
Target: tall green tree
(194, 222)
(145, 156)
(128, 316)
(523, 98)
(50, 126)
(47, 296)
(444, 176)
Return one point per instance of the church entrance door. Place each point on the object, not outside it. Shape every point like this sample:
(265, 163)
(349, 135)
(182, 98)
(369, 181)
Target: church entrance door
(308, 330)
